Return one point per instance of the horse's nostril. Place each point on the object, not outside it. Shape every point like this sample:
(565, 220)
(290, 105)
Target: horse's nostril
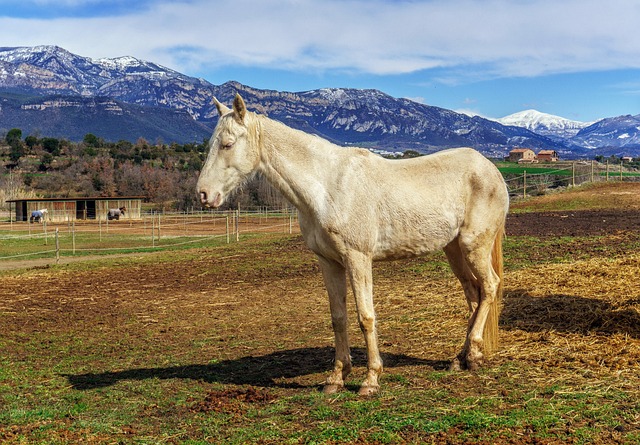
(203, 197)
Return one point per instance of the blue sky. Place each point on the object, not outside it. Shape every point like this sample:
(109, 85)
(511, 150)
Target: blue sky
(578, 59)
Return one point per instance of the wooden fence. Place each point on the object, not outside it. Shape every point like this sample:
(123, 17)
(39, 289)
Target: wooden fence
(153, 231)
(537, 180)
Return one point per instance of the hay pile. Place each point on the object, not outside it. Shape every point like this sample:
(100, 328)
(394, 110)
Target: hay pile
(560, 322)
(577, 324)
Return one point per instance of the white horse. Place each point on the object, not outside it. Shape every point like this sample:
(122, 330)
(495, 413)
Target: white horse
(356, 207)
(38, 215)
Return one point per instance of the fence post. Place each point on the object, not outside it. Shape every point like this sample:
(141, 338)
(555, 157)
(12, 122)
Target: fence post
(573, 174)
(44, 227)
(524, 189)
(73, 237)
(607, 170)
(153, 230)
(227, 219)
(57, 247)
(237, 225)
(592, 167)
(620, 170)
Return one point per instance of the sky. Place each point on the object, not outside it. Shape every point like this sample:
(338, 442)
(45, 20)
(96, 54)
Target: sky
(579, 59)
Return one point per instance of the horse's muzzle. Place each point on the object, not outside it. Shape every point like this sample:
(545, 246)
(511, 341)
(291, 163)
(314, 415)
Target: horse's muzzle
(204, 199)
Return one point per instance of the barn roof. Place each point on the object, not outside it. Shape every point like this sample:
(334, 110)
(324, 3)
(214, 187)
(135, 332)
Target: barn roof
(76, 198)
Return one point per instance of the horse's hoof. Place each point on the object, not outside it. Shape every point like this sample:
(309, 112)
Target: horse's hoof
(455, 365)
(474, 362)
(473, 366)
(368, 391)
(331, 389)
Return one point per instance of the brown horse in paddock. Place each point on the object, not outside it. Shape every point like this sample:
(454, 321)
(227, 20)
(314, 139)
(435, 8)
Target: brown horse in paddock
(356, 207)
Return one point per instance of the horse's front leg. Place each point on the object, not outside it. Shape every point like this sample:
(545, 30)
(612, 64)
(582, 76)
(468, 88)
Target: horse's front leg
(359, 270)
(336, 284)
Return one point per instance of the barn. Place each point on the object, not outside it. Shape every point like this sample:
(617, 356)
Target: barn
(522, 155)
(548, 156)
(71, 209)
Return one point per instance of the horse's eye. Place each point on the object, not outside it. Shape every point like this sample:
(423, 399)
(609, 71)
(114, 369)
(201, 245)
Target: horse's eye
(226, 145)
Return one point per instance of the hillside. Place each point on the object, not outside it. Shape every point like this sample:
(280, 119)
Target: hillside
(72, 117)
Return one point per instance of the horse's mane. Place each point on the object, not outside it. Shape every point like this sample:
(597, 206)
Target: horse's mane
(253, 122)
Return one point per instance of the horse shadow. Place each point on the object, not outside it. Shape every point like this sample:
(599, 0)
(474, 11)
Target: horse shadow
(268, 370)
(521, 311)
(569, 314)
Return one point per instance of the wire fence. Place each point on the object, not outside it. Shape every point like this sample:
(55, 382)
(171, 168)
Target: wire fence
(152, 232)
(537, 180)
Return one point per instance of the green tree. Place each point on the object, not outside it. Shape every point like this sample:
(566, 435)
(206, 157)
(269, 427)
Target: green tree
(14, 135)
(17, 151)
(31, 141)
(411, 154)
(14, 140)
(51, 145)
(91, 140)
(45, 162)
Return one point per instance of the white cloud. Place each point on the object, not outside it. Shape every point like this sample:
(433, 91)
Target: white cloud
(472, 39)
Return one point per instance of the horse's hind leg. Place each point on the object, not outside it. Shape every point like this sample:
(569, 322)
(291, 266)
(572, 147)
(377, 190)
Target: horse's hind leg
(477, 253)
(471, 291)
(335, 281)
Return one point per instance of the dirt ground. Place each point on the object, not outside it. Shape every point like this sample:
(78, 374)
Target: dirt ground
(186, 300)
(573, 223)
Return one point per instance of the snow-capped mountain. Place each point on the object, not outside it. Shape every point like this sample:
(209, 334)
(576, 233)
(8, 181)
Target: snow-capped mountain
(54, 70)
(365, 117)
(41, 88)
(618, 134)
(544, 124)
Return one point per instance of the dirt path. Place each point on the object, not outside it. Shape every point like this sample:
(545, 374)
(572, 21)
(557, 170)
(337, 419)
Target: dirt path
(44, 263)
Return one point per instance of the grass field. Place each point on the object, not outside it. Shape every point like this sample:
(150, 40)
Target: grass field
(230, 344)
(563, 169)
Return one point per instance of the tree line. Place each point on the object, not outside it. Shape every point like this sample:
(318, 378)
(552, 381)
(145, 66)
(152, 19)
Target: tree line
(165, 174)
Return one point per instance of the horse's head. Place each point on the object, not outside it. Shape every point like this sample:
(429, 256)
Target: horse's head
(233, 154)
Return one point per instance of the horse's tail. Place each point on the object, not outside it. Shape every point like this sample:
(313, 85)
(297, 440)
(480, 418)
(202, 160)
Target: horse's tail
(490, 335)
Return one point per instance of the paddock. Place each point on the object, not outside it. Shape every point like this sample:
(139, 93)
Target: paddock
(184, 345)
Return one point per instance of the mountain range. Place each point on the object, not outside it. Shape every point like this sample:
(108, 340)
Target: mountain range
(49, 91)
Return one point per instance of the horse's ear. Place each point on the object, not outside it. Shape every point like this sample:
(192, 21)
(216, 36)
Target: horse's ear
(222, 109)
(239, 108)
